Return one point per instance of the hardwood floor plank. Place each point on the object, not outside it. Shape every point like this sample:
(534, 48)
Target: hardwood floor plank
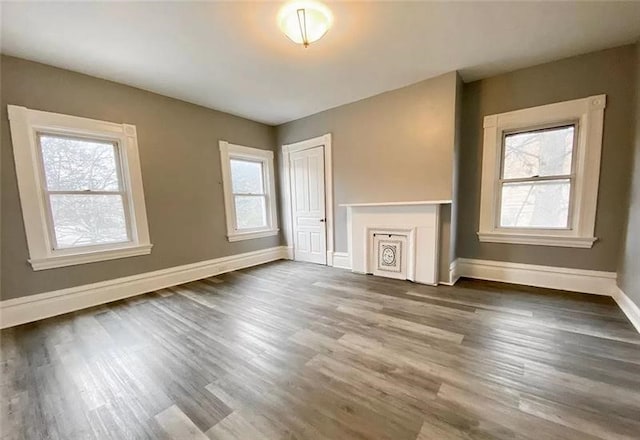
(234, 426)
(434, 429)
(607, 427)
(476, 304)
(179, 427)
(409, 395)
(530, 426)
(584, 328)
(418, 364)
(380, 319)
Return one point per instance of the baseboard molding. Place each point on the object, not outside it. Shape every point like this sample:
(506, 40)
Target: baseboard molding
(628, 307)
(289, 252)
(44, 305)
(453, 274)
(576, 280)
(341, 260)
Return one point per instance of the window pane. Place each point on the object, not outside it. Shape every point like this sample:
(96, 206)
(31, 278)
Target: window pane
(542, 204)
(83, 220)
(251, 212)
(538, 153)
(73, 164)
(246, 177)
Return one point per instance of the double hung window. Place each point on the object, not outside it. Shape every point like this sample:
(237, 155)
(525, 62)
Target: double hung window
(540, 174)
(80, 188)
(249, 191)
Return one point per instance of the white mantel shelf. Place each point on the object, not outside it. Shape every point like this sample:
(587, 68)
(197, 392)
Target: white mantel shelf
(419, 202)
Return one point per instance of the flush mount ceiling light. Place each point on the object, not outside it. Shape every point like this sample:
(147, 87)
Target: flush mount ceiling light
(305, 21)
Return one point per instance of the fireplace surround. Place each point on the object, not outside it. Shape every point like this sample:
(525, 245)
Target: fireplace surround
(395, 240)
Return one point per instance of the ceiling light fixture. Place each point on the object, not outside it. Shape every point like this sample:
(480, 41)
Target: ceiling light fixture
(304, 22)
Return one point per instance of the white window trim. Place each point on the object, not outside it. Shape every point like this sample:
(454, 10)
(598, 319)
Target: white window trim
(25, 125)
(589, 114)
(230, 151)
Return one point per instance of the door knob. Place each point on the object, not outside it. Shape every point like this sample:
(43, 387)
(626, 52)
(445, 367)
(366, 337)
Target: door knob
(323, 220)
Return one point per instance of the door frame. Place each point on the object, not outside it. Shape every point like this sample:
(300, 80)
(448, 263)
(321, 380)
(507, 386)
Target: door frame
(287, 149)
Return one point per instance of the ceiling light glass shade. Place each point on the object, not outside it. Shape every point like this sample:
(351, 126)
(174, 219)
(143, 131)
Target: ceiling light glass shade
(305, 21)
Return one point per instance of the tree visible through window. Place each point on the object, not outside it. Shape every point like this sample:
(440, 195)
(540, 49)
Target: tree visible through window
(80, 186)
(84, 191)
(540, 185)
(536, 178)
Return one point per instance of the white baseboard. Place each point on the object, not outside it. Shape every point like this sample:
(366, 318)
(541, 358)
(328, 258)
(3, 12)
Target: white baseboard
(454, 276)
(342, 260)
(628, 307)
(44, 305)
(289, 252)
(576, 280)
(330, 258)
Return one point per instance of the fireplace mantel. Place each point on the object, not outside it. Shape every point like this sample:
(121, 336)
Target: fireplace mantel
(415, 224)
(410, 203)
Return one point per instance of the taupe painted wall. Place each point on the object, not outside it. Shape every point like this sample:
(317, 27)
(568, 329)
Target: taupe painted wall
(629, 271)
(407, 144)
(396, 146)
(456, 170)
(610, 71)
(180, 168)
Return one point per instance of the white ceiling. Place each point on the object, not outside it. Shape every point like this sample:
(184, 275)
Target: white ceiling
(231, 56)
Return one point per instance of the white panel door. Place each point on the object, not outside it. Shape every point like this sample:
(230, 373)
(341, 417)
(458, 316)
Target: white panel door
(308, 205)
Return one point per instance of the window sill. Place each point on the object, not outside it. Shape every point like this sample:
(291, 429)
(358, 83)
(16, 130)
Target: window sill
(537, 239)
(238, 236)
(89, 257)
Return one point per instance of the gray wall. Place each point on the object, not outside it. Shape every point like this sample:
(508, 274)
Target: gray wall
(629, 270)
(396, 146)
(612, 72)
(416, 135)
(180, 168)
(456, 169)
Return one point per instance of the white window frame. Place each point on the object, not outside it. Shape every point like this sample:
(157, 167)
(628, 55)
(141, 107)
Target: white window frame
(588, 116)
(265, 157)
(26, 126)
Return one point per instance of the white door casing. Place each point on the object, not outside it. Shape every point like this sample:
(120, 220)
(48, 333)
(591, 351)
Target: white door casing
(287, 185)
(308, 205)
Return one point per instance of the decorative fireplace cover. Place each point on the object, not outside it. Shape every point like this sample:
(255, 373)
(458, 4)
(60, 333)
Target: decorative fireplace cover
(389, 255)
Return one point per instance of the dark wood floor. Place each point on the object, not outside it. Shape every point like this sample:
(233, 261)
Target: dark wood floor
(290, 350)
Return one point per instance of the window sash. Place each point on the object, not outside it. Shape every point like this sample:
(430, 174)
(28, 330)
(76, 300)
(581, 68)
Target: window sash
(265, 212)
(249, 194)
(263, 164)
(51, 223)
(25, 125)
(570, 215)
(501, 181)
(232, 152)
(265, 194)
(588, 114)
(87, 192)
(540, 128)
(535, 228)
(115, 144)
(538, 178)
(123, 193)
